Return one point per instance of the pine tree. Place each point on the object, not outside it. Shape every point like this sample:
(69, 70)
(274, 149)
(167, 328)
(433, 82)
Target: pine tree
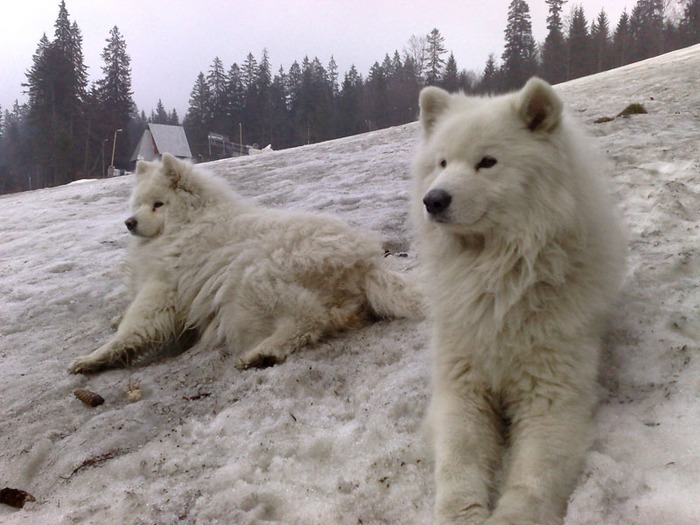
(333, 77)
(68, 40)
(216, 81)
(554, 50)
(314, 120)
(490, 79)
(450, 78)
(38, 81)
(235, 100)
(646, 29)
(218, 102)
(174, 118)
(280, 124)
(260, 104)
(293, 84)
(410, 84)
(249, 72)
(115, 94)
(689, 26)
(263, 76)
(349, 104)
(397, 64)
(160, 116)
(580, 63)
(93, 151)
(399, 89)
(3, 166)
(671, 38)
(62, 26)
(392, 113)
(251, 116)
(17, 164)
(520, 54)
(600, 43)
(435, 64)
(468, 81)
(6, 178)
(198, 117)
(56, 85)
(388, 66)
(622, 41)
(376, 101)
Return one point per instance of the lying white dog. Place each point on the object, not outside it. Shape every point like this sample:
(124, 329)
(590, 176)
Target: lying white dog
(524, 256)
(262, 282)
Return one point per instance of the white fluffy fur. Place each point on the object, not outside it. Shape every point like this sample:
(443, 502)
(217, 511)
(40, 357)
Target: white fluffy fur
(522, 262)
(262, 282)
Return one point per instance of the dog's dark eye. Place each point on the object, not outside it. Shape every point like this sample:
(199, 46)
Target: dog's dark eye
(486, 162)
(443, 163)
(157, 204)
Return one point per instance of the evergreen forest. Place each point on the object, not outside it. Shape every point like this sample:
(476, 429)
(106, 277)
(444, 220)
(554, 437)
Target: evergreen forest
(67, 128)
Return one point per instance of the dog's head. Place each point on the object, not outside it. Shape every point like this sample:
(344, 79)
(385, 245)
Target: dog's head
(486, 162)
(158, 195)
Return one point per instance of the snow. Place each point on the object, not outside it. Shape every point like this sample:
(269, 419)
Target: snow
(333, 436)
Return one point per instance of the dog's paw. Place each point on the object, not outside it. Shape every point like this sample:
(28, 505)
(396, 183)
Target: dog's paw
(257, 361)
(513, 520)
(83, 365)
(463, 513)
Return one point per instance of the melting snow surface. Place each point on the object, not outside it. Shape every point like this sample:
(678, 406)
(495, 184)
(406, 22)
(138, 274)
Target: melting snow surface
(333, 436)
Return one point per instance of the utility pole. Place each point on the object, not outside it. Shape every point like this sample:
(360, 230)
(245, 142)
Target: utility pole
(114, 147)
(103, 156)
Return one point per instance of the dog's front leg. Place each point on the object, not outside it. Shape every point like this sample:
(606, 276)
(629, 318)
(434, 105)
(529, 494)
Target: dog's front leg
(147, 324)
(467, 443)
(550, 432)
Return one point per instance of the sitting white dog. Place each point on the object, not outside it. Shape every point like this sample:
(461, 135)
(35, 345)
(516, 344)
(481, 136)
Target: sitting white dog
(262, 282)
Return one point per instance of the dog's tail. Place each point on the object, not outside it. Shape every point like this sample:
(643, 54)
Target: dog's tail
(391, 294)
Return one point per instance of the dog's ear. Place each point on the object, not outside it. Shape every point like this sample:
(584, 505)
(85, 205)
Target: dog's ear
(539, 106)
(141, 167)
(172, 169)
(433, 102)
(144, 168)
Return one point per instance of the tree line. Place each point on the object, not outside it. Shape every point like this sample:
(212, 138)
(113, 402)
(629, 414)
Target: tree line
(66, 130)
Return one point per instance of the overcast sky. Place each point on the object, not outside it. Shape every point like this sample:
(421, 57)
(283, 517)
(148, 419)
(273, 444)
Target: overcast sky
(171, 41)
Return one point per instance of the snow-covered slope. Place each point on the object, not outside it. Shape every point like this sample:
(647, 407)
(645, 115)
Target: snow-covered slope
(333, 436)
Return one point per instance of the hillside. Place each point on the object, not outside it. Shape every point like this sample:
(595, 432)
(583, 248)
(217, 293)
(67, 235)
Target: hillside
(334, 434)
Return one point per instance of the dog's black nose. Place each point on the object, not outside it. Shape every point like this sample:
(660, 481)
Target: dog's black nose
(131, 224)
(437, 201)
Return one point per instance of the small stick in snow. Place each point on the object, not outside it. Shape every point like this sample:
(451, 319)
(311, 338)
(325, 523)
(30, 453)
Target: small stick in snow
(93, 461)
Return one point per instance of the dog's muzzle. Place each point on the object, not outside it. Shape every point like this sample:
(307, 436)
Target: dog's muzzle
(436, 202)
(131, 224)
